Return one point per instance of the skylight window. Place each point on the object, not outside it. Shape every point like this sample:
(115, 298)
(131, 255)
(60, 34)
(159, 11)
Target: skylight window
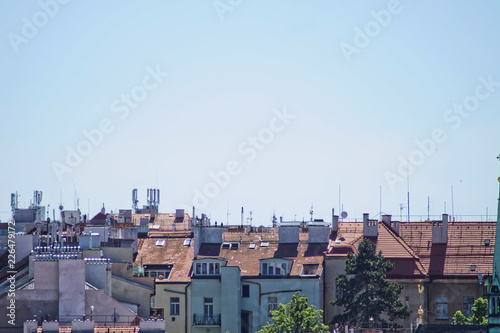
(264, 244)
(160, 242)
(234, 246)
(251, 246)
(472, 268)
(226, 246)
(486, 242)
(186, 242)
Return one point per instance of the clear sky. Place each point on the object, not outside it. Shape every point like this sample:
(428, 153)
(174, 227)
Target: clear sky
(269, 105)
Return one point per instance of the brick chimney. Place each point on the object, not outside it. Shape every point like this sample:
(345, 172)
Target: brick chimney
(370, 227)
(335, 222)
(440, 231)
(393, 225)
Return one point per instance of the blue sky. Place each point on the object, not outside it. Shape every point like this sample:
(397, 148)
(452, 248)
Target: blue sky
(267, 105)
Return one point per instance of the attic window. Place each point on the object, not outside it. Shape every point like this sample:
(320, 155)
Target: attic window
(160, 242)
(472, 268)
(226, 246)
(251, 246)
(486, 242)
(264, 244)
(309, 269)
(187, 242)
(234, 246)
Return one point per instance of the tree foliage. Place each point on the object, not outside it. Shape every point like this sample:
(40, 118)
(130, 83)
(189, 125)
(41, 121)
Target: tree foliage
(367, 294)
(459, 318)
(296, 317)
(479, 314)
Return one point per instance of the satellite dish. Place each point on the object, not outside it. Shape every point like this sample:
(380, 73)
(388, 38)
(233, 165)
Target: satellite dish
(343, 214)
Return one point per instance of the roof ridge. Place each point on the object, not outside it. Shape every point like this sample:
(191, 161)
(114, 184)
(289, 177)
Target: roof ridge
(401, 241)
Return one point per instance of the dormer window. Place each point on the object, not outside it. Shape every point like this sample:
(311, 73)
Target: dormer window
(207, 268)
(274, 267)
(309, 269)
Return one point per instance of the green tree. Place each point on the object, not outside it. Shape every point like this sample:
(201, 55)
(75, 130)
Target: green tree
(459, 318)
(296, 317)
(367, 294)
(479, 312)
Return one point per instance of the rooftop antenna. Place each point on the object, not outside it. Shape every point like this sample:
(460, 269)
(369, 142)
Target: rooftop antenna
(428, 208)
(275, 220)
(134, 200)
(380, 206)
(339, 199)
(408, 187)
(452, 206)
(401, 207)
(311, 212)
(227, 215)
(242, 217)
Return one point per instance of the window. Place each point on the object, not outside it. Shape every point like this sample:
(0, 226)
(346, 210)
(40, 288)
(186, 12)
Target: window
(226, 246)
(246, 290)
(174, 306)
(309, 269)
(467, 306)
(251, 246)
(208, 307)
(441, 307)
(274, 268)
(186, 242)
(207, 268)
(264, 244)
(160, 242)
(272, 304)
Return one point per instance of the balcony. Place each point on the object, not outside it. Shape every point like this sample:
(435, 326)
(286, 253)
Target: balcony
(202, 320)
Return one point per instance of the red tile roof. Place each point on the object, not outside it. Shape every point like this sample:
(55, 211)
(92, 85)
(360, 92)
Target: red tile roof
(248, 259)
(465, 247)
(173, 252)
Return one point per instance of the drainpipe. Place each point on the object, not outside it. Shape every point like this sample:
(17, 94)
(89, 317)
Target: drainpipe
(186, 306)
(260, 298)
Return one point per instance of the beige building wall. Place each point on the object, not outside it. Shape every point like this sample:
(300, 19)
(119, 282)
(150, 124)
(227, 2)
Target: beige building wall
(334, 266)
(454, 290)
(174, 323)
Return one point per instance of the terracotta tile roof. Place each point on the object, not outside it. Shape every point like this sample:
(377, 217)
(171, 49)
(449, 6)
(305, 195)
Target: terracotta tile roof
(167, 222)
(465, 247)
(394, 248)
(172, 252)
(248, 259)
